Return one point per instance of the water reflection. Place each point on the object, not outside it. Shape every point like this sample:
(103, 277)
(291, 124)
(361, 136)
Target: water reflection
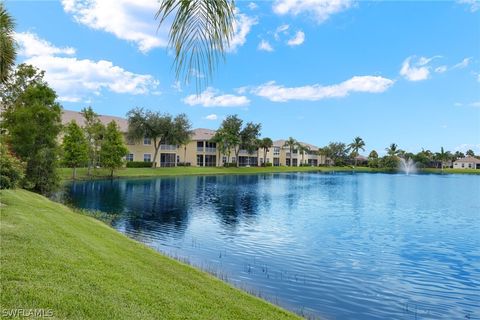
(347, 246)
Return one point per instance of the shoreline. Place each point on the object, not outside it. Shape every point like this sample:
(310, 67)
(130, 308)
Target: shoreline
(101, 174)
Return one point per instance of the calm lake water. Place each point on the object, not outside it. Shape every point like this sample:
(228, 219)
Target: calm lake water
(334, 246)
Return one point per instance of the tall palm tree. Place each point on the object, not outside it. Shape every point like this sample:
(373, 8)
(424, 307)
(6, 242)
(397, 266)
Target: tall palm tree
(7, 43)
(302, 149)
(266, 144)
(291, 144)
(442, 157)
(199, 35)
(392, 150)
(357, 145)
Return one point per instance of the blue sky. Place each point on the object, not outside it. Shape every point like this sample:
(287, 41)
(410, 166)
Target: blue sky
(317, 70)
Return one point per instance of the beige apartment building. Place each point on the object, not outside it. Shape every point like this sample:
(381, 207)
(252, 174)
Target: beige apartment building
(201, 152)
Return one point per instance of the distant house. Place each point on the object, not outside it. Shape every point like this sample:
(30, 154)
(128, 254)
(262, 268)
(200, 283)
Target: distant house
(467, 163)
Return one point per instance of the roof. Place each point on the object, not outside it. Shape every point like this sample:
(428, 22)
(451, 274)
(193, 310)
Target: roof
(68, 116)
(203, 134)
(468, 159)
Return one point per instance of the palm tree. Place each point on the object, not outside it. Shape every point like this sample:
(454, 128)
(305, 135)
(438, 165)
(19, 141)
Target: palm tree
(302, 149)
(7, 43)
(392, 150)
(291, 144)
(266, 144)
(355, 146)
(442, 157)
(199, 35)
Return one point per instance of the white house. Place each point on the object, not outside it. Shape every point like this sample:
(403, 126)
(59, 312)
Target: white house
(467, 163)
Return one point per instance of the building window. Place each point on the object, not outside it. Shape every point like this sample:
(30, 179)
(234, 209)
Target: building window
(224, 159)
(199, 160)
(147, 157)
(147, 141)
(268, 160)
(233, 160)
(469, 165)
(129, 157)
(276, 151)
(463, 165)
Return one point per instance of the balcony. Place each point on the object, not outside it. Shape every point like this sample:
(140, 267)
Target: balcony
(199, 149)
(168, 147)
(210, 150)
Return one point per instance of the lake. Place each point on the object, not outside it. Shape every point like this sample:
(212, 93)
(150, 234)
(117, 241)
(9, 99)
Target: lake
(333, 246)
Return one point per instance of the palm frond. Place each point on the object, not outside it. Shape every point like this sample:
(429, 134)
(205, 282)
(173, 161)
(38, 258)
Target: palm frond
(7, 43)
(199, 35)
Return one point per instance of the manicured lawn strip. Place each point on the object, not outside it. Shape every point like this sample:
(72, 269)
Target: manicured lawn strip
(450, 170)
(54, 258)
(66, 173)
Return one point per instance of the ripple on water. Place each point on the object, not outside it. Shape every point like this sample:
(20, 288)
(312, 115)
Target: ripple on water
(336, 246)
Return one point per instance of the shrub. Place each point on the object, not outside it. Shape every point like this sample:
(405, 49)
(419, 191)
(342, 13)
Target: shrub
(11, 169)
(230, 165)
(183, 164)
(139, 164)
(268, 164)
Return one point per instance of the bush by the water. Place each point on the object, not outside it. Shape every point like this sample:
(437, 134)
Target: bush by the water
(11, 169)
(139, 164)
(183, 164)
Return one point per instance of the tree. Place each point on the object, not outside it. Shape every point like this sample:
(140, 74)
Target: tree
(337, 152)
(149, 124)
(390, 162)
(291, 144)
(249, 139)
(75, 147)
(443, 157)
(458, 155)
(302, 149)
(470, 153)
(7, 43)
(113, 148)
(228, 135)
(11, 169)
(373, 161)
(32, 120)
(357, 145)
(94, 130)
(199, 35)
(266, 144)
(181, 131)
(392, 150)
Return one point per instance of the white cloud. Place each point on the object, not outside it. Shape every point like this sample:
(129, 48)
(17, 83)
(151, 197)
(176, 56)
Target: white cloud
(297, 40)
(265, 46)
(74, 79)
(211, 117)
(441, 69)
(279, 93)
(177, 86)
(129, 20)
(475, 104)
(416, 71)
(282, 29)
(466, 146)
(211, 98)
(241, 28)
(458, 104)
(31, 45)
(320, 9)
(195, 73)
(252, 6)
(474, 4)
(462, 64)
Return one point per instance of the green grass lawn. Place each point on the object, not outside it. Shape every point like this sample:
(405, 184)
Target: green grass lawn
(66, 173)
(80, 268)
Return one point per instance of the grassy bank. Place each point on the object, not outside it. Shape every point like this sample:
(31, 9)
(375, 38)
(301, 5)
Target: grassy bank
(78, 267)
(66, 173)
